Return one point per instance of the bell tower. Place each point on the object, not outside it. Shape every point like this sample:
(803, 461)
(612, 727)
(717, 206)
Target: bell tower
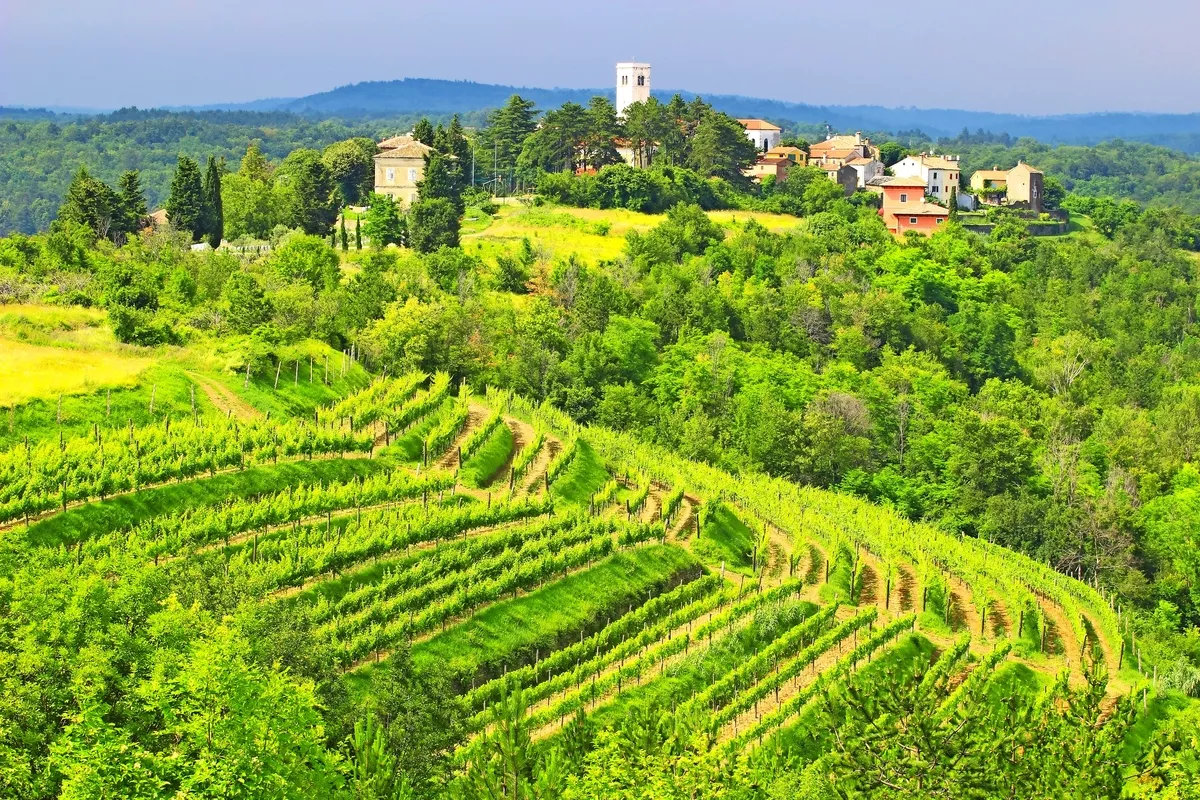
(633, 85)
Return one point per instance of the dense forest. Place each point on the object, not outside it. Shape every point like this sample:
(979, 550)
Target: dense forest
(1039, 394)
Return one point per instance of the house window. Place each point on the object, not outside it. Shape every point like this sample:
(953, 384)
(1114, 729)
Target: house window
(935, 176)
(391, 175)
(940, 220)
(903, 197)
(412, 175)
(912, 220)
(935, 189)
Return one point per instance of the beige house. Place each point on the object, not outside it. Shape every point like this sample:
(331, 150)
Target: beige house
(399, 166)
(940, 173)
(1025, 186)
(764, 135)
(1022, 185)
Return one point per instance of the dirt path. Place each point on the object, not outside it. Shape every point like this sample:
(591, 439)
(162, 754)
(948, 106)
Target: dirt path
(224, 399)
(963, 613)
(537, 471)
(475, 417)
(998, 619)
(683, 527)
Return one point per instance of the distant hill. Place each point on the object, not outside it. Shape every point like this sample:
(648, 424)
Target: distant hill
(425, 95)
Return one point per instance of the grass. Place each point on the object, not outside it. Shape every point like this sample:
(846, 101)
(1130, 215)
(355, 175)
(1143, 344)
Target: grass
(726, 539)
(585, 476)
(30, 371)
(111, 408)
(510, 631)
(296, 394)
(407, 447)
(558, 231)
(489, 459)
(120, 512)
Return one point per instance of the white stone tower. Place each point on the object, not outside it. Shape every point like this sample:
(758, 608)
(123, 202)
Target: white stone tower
(633, 85)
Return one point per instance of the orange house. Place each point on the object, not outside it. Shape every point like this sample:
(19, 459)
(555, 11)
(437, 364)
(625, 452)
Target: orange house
(905, 209)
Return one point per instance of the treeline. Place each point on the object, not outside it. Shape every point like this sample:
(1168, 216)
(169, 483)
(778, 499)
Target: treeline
(39, 158)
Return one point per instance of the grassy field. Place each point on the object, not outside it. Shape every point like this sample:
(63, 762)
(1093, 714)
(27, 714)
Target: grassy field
(30, 371)
(584, 477)
(595, 234)
(726, 539)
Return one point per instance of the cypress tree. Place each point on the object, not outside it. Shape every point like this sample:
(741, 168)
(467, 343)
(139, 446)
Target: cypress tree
(345, 240)
(358, 234)
(214, 222)
(953, 203)
(185, 205)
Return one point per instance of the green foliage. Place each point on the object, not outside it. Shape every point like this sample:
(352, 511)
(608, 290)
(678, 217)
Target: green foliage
(432, 225)
(186, 207)
(310, 194)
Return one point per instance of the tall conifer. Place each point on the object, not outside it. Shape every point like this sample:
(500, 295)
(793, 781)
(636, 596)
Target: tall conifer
(185, 205)
(214, 215)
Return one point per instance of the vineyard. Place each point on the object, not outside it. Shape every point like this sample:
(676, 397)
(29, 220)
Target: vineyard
(558, 579)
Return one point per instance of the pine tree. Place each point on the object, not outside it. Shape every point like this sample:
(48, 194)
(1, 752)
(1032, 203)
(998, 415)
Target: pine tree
(345, 239)
(423, 131)
(131, 201)
(185, 205)
(214, 215)
(90, 202)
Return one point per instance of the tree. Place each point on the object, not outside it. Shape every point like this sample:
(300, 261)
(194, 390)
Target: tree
(383, 224)
(1053, 193)
(891, 152)
(312, 198)
(351, 166)
(510, 275)
(185, 205)
(214, 217)
(244, 303)
(557, 143)
(423, 131)
(254, 164)
(457, 144)
(954, 204)
(721, 149)
(508, 127)
(92, 203)
(131, 202)
(345, 238)
(441, 180)
(603, 128)
(358, 233)
(433, 224)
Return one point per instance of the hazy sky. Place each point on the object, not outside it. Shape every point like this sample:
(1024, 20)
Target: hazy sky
(1050, 56)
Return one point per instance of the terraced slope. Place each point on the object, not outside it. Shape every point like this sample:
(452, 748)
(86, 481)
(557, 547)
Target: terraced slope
(517, 554)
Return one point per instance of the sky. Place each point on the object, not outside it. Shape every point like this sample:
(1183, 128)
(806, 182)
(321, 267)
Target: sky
(1017, 56)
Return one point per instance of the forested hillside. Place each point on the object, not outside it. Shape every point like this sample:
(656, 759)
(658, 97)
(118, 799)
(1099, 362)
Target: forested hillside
(626, 485)
(38, 157)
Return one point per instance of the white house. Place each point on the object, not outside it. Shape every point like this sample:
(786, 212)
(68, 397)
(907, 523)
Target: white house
(764, 135)
(940, 173)
(633, 85)
(868, 169)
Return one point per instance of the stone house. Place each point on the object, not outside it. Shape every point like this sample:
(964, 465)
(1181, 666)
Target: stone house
(399, 166)
(844, 148)
(1026, 186)
(940, 173)
(867, 169)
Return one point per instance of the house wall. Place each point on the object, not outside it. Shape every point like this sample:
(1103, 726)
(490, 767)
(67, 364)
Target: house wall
(867, 172)
(764, 140)
(924, 224)
(398, 177)
(1025, 187)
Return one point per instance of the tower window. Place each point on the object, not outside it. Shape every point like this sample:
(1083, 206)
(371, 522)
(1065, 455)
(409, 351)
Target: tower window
(624, 80)
(641, 80)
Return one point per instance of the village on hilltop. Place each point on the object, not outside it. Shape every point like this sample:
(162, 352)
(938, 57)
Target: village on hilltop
(916, 193)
